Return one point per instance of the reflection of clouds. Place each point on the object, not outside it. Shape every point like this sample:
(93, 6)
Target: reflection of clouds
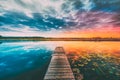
(94, 54)
(2, 64)
(27, 46)
(17, 57)
(29, 64)
(69, 46)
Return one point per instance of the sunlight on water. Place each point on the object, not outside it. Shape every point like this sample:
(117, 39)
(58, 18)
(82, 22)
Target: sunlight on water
(95, 60)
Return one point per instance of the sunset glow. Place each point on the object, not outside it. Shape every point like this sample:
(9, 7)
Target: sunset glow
(60, 18)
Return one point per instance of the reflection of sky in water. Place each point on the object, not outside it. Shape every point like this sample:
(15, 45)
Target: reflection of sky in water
(94, 59)
(18, 57)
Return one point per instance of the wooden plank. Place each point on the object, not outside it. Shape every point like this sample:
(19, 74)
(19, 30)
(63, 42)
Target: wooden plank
(59, 67)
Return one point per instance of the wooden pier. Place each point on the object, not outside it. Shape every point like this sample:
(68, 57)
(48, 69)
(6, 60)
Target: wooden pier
(59, 67)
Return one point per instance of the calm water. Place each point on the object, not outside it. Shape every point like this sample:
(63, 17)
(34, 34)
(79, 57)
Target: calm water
(29, 60)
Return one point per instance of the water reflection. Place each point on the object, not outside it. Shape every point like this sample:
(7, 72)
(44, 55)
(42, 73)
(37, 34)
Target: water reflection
(23, 60)
(96, 61)
(29, 60)
(0, 42)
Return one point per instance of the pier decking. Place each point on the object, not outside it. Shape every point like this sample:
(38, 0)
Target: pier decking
(59, 67)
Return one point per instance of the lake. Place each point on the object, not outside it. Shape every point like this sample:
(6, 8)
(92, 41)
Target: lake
(29, 60)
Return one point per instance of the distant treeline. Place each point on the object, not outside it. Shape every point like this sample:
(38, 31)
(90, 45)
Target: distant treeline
(56, 39)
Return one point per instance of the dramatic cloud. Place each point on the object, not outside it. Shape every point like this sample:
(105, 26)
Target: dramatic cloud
(47, 16)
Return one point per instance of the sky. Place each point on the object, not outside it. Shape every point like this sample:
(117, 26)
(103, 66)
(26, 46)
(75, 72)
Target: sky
(60, 18)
